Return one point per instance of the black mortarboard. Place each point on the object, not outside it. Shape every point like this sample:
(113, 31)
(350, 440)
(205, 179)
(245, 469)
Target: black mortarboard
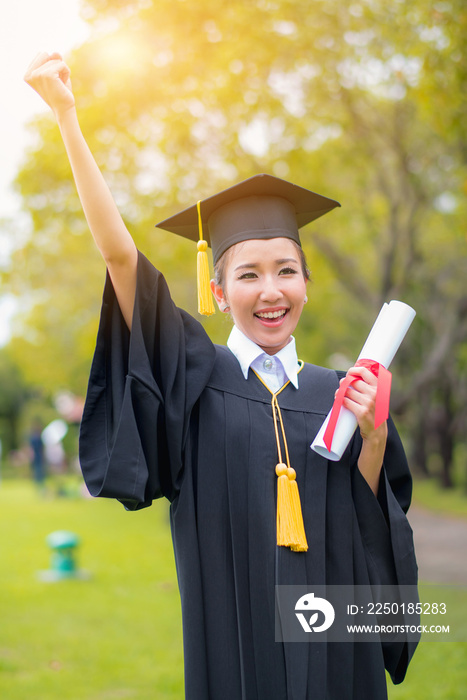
(261, 207)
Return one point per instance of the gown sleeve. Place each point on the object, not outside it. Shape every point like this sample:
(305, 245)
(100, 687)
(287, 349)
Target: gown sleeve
(387, 535)
(142, 388)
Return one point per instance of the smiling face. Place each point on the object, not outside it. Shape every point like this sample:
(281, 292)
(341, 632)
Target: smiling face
(265, 288)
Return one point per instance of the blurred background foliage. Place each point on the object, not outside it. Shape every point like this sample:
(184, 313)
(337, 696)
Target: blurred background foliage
(364, 102)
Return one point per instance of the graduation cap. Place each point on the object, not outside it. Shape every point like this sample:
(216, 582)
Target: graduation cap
(261, 207)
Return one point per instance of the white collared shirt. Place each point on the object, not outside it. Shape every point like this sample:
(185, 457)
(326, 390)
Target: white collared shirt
(274, 370)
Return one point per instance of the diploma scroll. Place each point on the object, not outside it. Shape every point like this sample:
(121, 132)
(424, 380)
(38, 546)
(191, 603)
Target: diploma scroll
(383, 342)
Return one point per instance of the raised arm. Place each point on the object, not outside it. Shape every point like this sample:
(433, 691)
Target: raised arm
(50, 77)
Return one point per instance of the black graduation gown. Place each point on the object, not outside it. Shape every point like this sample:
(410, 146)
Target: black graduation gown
(170, 414)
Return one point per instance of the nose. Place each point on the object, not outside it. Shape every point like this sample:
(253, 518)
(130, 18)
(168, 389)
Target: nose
(270, 291)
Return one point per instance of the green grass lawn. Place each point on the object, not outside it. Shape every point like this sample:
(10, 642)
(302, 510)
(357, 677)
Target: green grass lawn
(428, 494)
(118, 634)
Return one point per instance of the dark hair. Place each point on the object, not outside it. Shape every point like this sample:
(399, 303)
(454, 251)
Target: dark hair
(220, 266)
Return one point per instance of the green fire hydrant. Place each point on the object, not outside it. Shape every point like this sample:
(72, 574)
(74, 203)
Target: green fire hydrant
(63, 563)
(63, 545)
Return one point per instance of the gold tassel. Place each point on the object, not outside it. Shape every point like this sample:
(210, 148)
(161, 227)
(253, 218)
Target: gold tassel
(290, 528)
(205, 302)
(289, 518)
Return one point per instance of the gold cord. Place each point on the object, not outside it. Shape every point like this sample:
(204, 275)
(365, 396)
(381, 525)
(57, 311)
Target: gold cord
(289, 518)
(276, 412)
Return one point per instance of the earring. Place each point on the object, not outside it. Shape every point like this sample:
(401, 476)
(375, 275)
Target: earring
(305, 299)
(225, 308)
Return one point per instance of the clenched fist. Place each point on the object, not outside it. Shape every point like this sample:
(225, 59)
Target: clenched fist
(49, 75)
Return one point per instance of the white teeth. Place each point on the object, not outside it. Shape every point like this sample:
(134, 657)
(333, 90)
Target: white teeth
(272, 314)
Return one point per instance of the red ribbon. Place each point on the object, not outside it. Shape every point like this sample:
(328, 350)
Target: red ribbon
(383, 394)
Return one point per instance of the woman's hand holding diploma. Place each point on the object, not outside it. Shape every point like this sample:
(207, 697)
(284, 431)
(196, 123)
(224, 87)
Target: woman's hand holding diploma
(366, 400)
(360, 399)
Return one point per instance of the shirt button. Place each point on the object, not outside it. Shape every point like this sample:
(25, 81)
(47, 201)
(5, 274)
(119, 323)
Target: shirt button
(268, 365)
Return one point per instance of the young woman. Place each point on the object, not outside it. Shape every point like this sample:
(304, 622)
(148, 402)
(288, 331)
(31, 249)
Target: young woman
(170, 414)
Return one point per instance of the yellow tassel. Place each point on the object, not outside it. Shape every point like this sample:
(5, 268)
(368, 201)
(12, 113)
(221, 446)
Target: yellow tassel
(290, 528)
(205, 302)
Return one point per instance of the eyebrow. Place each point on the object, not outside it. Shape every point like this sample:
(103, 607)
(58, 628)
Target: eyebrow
(282, 261)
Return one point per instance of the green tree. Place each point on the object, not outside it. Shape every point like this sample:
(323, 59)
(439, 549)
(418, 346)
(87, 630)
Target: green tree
(364, 103)
(13, 396)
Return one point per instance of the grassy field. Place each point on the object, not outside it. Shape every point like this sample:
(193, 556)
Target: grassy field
(427, 494)
(118, 634)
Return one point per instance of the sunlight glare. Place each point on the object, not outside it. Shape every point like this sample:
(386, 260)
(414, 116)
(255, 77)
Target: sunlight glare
(118, 53)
